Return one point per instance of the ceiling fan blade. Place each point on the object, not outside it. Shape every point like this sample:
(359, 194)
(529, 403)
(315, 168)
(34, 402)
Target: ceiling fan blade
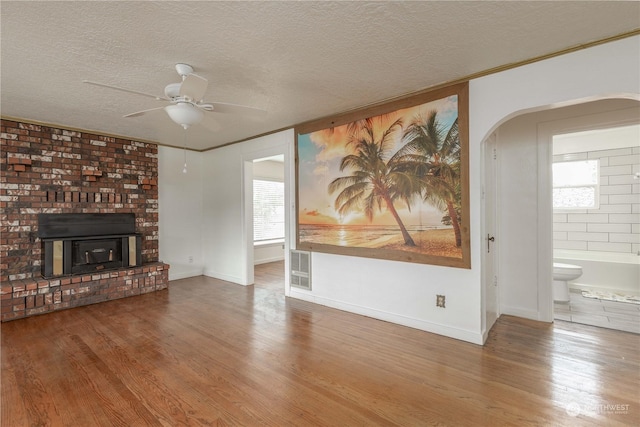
(211, 123)
(140, 113)
(223, 107)
(158, 98)
(193, 87)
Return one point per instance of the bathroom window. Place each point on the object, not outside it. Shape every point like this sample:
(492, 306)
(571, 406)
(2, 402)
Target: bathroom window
(576, 184)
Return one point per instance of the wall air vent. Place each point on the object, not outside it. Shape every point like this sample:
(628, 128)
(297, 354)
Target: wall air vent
(300, 269)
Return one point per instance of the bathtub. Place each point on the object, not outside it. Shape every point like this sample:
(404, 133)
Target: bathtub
(605, 271)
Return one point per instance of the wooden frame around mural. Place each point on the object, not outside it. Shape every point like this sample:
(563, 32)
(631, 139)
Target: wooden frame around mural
(390, 181)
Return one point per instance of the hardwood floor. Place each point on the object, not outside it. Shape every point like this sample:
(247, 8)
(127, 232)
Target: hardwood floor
(210, 353)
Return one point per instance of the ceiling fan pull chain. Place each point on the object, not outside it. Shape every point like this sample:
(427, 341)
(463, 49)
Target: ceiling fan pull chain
(184, 169)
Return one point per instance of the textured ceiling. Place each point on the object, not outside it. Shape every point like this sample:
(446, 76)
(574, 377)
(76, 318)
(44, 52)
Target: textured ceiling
(298, 60)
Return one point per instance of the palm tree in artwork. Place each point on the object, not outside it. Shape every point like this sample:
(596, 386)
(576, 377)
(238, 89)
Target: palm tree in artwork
(436, 152)
(377, 179)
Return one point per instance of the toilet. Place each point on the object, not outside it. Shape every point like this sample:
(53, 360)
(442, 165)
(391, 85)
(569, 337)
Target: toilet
(562, 273)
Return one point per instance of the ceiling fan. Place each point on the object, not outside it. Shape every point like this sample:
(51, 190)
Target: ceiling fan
(186, 106)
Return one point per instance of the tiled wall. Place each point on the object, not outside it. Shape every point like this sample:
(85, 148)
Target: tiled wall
(615, 226)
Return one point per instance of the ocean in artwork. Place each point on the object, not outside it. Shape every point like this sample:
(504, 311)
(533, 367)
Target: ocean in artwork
(364, 236)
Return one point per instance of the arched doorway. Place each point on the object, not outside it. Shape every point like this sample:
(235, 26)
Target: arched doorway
(523, 213)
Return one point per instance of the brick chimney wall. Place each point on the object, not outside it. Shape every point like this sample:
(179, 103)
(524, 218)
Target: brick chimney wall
(46, 169)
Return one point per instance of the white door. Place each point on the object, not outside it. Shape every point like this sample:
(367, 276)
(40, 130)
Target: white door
(491, 242)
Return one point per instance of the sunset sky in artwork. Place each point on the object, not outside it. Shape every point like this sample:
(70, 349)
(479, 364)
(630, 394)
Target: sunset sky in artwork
(320, 154)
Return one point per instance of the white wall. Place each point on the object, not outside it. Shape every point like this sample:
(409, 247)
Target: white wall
(268, 169)
(271, 252)
(180, 212)
(606, 71)
(405, 293)
(227, 242)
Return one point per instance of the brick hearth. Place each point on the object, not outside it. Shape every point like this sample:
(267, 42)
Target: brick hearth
(46, 169)
(28, 297)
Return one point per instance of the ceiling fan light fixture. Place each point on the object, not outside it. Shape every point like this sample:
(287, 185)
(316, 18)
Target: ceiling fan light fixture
(184, 114)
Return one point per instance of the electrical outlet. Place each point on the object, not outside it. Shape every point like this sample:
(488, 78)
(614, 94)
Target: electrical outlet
(190, 259)
(440, 301)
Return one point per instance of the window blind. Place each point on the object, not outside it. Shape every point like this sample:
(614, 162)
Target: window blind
(268, 210)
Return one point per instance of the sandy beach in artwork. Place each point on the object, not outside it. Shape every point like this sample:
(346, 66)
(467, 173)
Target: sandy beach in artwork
(428, 242)
(432, 242)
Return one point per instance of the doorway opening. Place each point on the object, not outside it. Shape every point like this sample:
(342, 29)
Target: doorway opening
(595, 196)
(524, 217)
(269, 225)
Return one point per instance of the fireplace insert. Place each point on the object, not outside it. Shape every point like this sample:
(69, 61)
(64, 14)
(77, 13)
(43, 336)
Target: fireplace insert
(98, 254)
(86, 243)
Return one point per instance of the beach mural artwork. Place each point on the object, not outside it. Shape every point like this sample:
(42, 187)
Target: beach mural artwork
(393, 185)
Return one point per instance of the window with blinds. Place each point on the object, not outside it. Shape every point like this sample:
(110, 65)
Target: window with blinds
(576, 184)
(268, 210)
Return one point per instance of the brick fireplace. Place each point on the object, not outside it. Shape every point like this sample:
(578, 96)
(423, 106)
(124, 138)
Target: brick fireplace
(50, 170)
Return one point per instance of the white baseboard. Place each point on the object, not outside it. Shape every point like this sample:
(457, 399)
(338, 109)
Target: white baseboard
(177, 275)
(225, 277)
(485, 335)
(520, 312)
(448, 331)
(268, 260)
